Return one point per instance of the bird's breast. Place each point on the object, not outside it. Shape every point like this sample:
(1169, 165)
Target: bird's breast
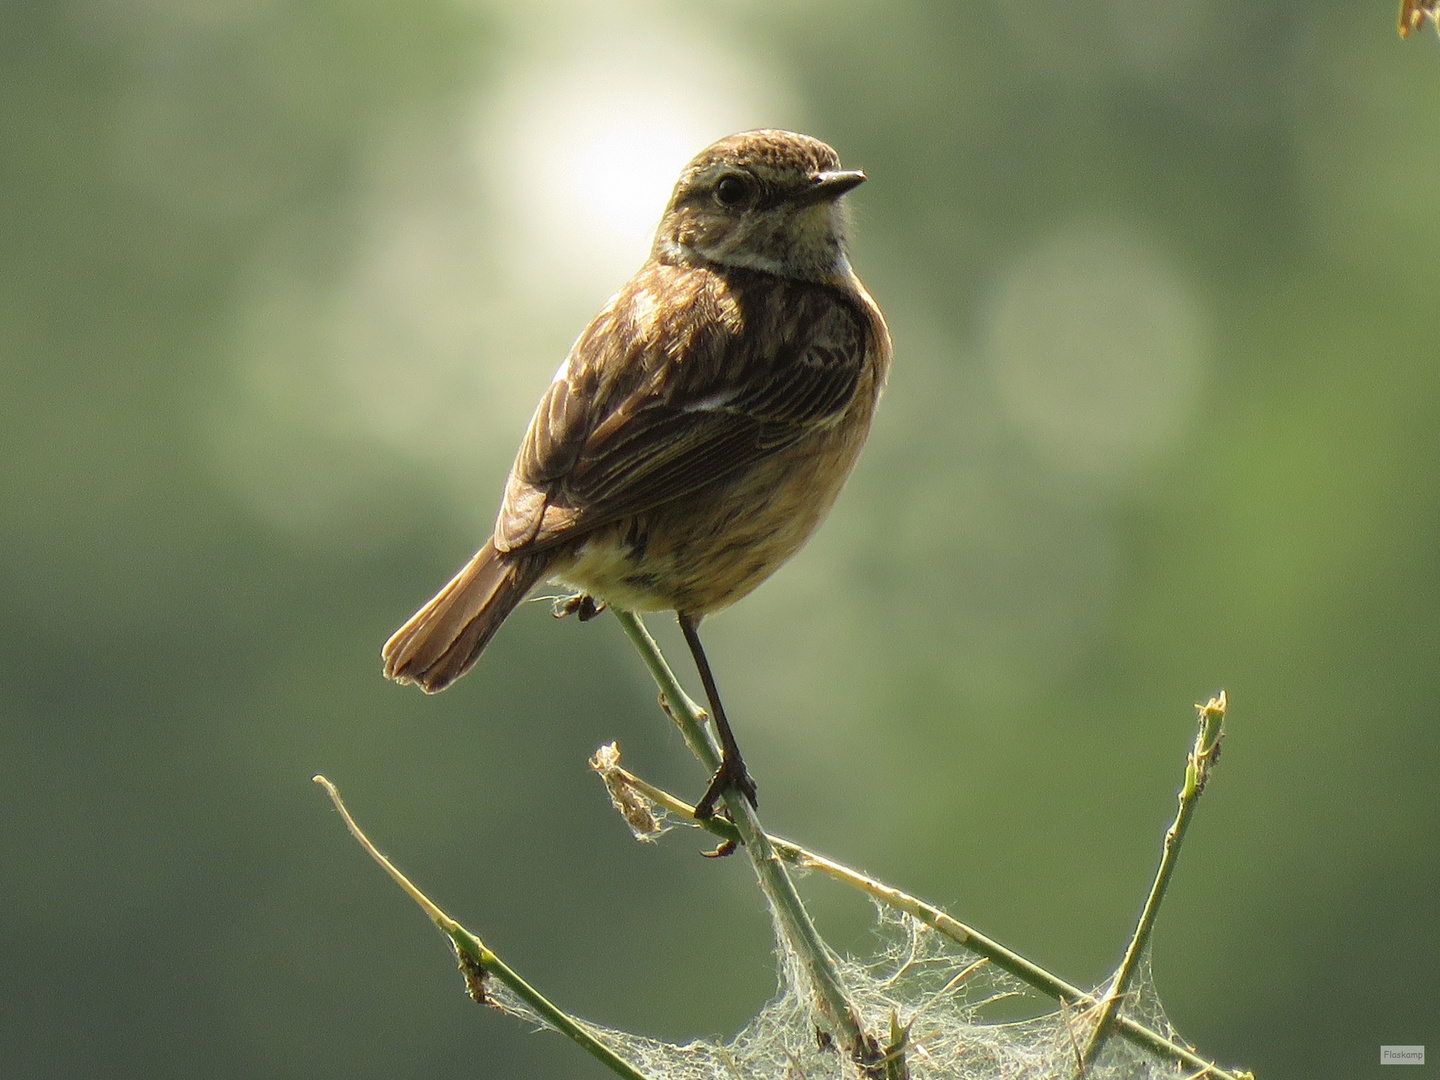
(702, 552)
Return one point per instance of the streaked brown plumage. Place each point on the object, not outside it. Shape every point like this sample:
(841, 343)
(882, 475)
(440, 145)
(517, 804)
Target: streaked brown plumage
(703, 423)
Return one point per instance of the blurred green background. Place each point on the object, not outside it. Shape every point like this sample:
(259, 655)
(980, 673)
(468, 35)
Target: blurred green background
(279, 285)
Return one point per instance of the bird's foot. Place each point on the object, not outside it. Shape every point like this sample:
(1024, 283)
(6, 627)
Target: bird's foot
(731, 776)
(582, 604)
(726, 848)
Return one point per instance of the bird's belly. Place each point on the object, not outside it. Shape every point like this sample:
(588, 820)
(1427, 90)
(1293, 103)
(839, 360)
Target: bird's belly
(607, 568)
(702, 552)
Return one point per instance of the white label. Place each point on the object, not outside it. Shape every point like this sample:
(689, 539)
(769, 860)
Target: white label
(1402, 1055)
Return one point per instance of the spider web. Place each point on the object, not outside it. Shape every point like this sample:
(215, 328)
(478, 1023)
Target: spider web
(919, 980)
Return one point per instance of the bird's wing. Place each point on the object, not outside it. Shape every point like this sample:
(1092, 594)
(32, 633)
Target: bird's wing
(683, 379)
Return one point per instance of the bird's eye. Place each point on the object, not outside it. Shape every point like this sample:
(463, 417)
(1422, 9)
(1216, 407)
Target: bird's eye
(733, 190)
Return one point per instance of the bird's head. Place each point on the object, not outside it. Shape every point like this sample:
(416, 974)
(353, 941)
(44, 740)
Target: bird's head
(762, 200)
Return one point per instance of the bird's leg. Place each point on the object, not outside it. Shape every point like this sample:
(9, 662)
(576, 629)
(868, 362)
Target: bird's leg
(731, 775)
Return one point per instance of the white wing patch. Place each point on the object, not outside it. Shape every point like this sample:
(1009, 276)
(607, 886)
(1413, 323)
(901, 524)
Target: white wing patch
(714, 402)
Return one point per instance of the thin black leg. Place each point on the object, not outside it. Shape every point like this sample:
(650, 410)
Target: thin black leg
(732, 775)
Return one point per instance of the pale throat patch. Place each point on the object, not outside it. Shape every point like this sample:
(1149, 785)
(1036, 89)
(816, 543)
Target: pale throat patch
(817, 253)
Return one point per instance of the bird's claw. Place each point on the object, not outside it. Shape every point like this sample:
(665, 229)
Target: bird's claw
(730, 776)
(582, 604)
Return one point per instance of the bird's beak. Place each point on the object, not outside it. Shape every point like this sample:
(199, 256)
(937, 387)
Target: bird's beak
(827, 186)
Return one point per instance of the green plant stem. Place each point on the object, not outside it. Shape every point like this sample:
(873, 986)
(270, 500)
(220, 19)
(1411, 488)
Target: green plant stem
(794, 921)
(483, 962)
(1197, 771)
(1029, 972)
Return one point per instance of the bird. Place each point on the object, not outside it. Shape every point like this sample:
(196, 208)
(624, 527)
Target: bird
(699, 429)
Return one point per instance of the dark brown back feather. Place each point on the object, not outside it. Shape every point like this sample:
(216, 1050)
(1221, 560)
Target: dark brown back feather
(690, 375)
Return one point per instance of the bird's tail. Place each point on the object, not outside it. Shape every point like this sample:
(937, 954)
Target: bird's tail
(445, 637)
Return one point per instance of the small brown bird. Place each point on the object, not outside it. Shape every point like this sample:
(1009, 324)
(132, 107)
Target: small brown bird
(700, 428)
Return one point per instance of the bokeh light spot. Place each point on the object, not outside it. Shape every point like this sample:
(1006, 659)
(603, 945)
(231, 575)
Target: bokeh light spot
(582, 145)
(1097, 348)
